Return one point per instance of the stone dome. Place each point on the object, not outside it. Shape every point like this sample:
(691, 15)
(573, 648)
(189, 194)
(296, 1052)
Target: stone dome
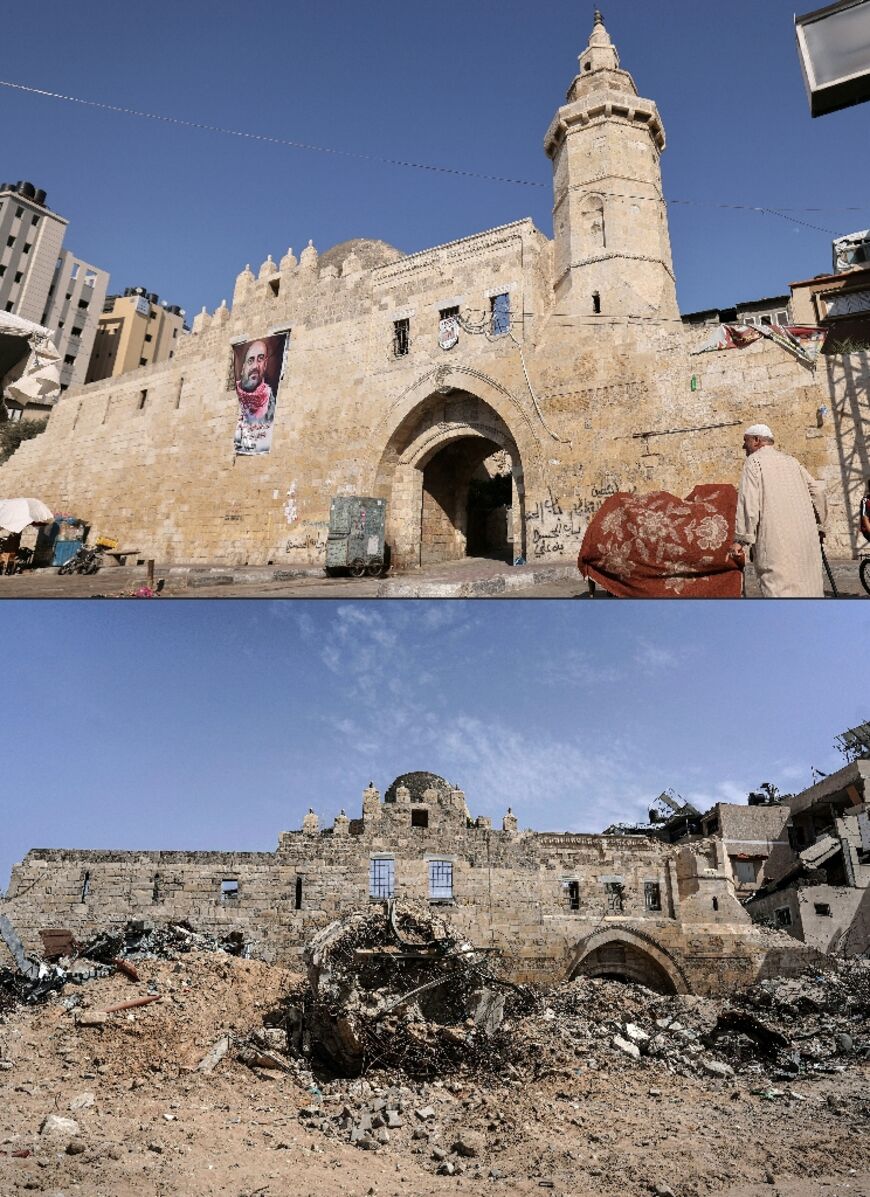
(417, 784)
(369, 253)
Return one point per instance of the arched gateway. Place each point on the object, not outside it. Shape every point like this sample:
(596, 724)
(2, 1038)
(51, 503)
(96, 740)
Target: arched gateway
(622, 954)
(454, 476)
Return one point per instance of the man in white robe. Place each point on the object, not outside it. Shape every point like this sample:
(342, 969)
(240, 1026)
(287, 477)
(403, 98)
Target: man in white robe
(781, 513)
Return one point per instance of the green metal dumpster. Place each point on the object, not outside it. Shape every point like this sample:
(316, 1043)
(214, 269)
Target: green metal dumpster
(356, 536)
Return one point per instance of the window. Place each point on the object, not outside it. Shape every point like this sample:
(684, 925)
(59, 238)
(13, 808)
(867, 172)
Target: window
(500, 315)
(74, 272)
(297, 901)
(744, 871)
(448, 313)
(2, 271)
(156, 894)
(229, 889)
(143, 395)
(18, 276)
(86, 887)
(382, 877)
(615, 891)
(90, 278)
(573, 895)
(823, 909)
(34, 220)
(25, 249)
(715, 903)
(401, 337)
(275, 286)
(596, 303)
(10, 240)
(148, 337)
(9, 306)
(782, 917)
(419, 818)
(69, 359)
(142, 361)
(441, 880)
(652, 895)
(83, 304)
(19, 211)
(76, 332)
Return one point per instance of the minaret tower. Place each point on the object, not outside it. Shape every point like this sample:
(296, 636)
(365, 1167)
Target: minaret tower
(610, 224)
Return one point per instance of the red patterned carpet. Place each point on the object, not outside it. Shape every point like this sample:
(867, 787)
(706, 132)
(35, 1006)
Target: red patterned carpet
(661, 546)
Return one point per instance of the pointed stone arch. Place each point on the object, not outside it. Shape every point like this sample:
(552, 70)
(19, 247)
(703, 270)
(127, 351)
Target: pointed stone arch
(436, 435)
(628, 954)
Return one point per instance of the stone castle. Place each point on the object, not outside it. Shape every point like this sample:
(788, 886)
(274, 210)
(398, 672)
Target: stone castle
(566, 375)
(553, 904)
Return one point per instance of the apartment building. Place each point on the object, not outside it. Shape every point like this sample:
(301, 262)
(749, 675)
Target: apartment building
(134, 330)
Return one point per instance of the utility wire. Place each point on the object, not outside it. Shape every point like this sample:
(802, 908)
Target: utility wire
(782, 213)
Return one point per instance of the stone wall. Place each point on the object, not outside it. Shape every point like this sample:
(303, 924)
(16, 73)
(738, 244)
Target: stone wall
(549, 902)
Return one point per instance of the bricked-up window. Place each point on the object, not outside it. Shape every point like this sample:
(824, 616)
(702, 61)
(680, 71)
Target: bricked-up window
(615, 892)
(156, 893)
(782, 917)
(573, 895)
(86, 887)
(229, 889)
(382, 877)
(441, 880)
(652, 895)
(401, 337)
(500, 315)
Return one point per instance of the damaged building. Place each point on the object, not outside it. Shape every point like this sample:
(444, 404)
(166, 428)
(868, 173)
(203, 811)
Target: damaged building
(552, 905)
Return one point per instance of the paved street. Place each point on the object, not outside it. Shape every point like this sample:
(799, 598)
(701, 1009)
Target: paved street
(471, 578)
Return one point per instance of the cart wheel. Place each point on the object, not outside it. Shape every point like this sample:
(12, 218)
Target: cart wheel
(864, 574)
(66, 568)
(357, 567)
(375, 567)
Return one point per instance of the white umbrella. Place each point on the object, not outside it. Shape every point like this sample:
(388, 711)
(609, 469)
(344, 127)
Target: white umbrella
(16, 514)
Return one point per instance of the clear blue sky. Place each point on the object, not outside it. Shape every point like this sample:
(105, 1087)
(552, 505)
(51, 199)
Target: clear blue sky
(472, 86)
(216, 725)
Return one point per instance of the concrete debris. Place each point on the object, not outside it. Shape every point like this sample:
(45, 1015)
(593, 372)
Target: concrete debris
(394, 986)
(625, 1045)
(54, 1124)
(210, 1061)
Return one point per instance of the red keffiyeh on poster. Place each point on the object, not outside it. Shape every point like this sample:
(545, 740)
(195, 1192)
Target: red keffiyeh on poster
(661, 546)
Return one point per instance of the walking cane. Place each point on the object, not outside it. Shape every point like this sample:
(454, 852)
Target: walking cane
(828, 570)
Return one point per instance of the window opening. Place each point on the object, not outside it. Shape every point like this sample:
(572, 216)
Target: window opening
(782, 917)
(86, 886)
(155, 889)
(298, 898)
(615, 892)
(401, 337)
(229, 889)
(596, 303)
(178, 396)
(574, 895)
(823, 909)
(382, 877)
(440, 880)
(419, 818)
(744, 871)
(652, 895)
(274, 286)
(500, 315)
(143, 395)
(715, 903)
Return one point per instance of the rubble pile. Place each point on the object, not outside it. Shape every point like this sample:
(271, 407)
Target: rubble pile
(781, 1028)
(394, 987)
(35, 979)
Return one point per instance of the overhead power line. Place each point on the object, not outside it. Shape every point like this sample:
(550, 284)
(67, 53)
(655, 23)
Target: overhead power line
(784, 213)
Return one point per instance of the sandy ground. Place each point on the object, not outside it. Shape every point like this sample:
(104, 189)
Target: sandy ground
(150, 1125)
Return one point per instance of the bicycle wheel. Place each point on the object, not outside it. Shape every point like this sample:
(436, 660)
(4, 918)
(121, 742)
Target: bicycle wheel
(67, 567)
(864, 574)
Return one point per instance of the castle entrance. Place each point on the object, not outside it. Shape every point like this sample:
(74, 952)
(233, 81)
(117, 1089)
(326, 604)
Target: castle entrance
(453, 478)
(625, 954)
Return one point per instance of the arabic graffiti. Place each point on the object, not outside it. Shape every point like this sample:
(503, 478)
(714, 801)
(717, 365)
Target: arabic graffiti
(554, 531)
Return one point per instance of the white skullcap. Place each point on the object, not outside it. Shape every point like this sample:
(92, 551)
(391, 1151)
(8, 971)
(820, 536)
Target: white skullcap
(759, 430)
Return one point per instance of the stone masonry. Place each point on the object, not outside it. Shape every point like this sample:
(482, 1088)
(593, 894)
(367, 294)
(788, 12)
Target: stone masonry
(588, 386)
(554, 904)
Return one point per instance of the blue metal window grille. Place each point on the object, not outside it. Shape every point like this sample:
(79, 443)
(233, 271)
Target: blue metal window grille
(440, 879)
(501, 315)
(382, 878)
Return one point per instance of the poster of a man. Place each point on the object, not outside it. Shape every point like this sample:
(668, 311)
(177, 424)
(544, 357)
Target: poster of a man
(258, 367)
